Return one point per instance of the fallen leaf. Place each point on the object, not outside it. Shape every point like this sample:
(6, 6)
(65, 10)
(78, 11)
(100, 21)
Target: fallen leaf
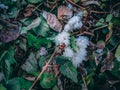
(28, 10)
(108, 63)
(30, 65)
(34, 24)
(64, 11)
(52, 21)
(9, 31)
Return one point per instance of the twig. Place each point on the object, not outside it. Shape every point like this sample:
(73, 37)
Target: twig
(115, 46)
(37, 7)
(83, 8)
(88, 33)
(92, 11)
(115, 6)
(44, 68)
(76, 4)
(99, 28)
(84, 82)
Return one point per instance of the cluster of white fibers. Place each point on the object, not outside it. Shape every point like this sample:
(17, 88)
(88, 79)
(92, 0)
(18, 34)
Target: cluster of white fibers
(74, 23)
(62, 38)
(82, 42)
(69, 53)
(77, 57)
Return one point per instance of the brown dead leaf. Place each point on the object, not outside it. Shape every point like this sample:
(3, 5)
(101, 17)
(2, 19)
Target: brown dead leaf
(64, 12)
(28, 10)
(108, 63)
(52, 21)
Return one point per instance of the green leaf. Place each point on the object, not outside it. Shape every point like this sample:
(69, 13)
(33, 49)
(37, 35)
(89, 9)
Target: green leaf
(25, 84)
(8, 55)
(34, 1)
(61, 60)
(32, 40)
(30, 65)
(117, 53)
(6, 68)
(2, 87)
(43, 28)
(109, 17)
(100, 22)
(48, 80)
(14, 84)
(116, 21)
(105, 31)
(73, 44)
(35, 23)
(69, 71)
(43, 60)
(26, 21)
(13, 12)
(55, 87)
(37, 42)
(115, 71)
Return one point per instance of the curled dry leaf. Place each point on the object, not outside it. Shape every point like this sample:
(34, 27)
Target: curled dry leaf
(9, 31)
(52, 21)
(28, 10)
(64, 12)
(108, 63)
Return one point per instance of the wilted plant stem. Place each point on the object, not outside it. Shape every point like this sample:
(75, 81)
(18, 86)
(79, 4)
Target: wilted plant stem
(44, 68)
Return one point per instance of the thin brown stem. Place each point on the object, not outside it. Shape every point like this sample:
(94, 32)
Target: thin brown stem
(115, 6)
(99, 28)
(84, 82)
(44, 68)
(76, 4)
